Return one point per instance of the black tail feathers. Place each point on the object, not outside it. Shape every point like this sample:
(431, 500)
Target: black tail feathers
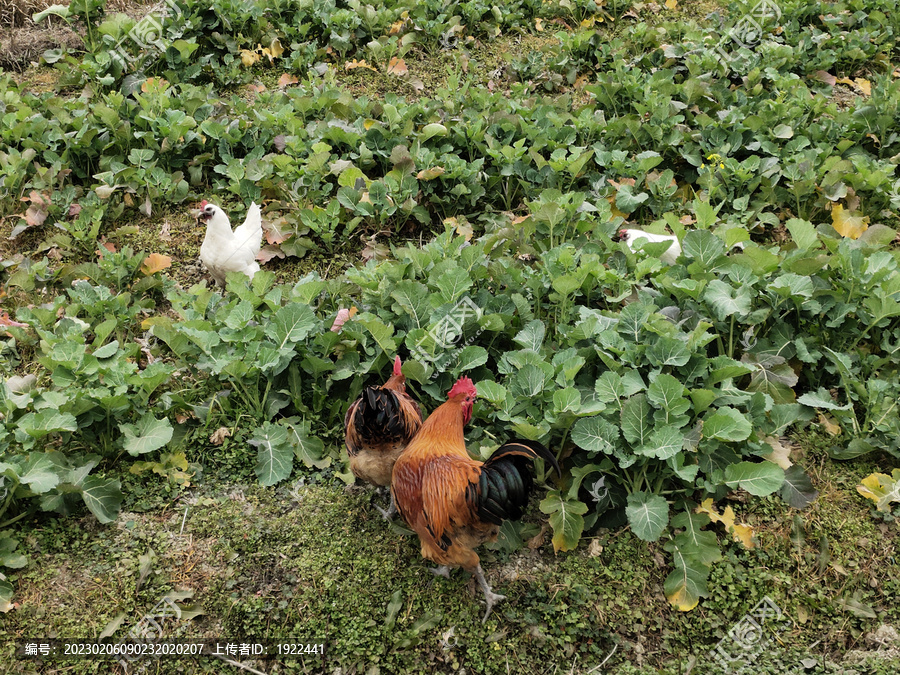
(506, 481)
(378, 417)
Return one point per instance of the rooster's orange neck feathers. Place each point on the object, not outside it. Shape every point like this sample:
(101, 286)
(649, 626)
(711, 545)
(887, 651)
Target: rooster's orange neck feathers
(442, 433)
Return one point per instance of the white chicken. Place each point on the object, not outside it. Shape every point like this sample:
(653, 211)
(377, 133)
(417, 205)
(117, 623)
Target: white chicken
(224, 251)
(669, 257)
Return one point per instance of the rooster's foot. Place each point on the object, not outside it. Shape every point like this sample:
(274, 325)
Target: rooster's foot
(390, 512)
(442, 571)
(490, 597)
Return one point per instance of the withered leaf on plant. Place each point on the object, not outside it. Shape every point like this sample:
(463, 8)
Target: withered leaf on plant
(155, 262)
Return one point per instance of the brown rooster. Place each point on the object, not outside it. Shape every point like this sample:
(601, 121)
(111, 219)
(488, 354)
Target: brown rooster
(453, 502)
(377, 427)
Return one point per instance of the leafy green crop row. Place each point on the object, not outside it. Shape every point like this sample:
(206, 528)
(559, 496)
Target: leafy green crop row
(667, 380)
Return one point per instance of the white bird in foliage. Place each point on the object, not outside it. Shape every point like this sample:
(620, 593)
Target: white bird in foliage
(224, 251)
(668, 257)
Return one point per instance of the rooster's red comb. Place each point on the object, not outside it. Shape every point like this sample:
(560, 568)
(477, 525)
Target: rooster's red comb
(397, 366)
(464, 385)
(203, 204)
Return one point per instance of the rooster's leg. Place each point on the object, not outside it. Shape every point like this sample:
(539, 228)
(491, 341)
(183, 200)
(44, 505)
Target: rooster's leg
(442, 571)
(391, 511)
(490, 597)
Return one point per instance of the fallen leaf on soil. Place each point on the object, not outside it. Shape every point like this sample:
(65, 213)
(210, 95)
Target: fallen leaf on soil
(350, 65)
(397, 67)
(781, 452)
(829, 425)
(155, 262)
(740, 532)
(826, 77)
(219, 435)
(287, 79)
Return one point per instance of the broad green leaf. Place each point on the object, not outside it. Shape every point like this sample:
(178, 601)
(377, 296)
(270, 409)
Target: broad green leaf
(308, 449)
(636, 419)
(107, 350)
(757, 478)
(725, 300)
(411, 298)
(821, 399)
(727, 424)
(686, 584)
(609, 387)
(663, 444)
(595, 434)
(803, 233)
(432, 130)
(103, 496)
(772, 375)
(703, 246)
(275, 456)
(695, 542)
(453, 283)
(648, 515)
(39, 473)
(528, 382)
(471, 357)
(797, 490)
(38, 425)
(240, 315)
(566, 519)
(291, 323)
(566, 400)
(491, 391)
(531, 336)
(667, 351)
(667, 392)
(381, 332)
(147, 435)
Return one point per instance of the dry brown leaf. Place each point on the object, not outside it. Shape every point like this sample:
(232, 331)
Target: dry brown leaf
(863, 85)
(671, 4)
(430, 174)
(266, 253)
(164, 233)
(287, 79)
(826, 77)
(829, 425)
(847, 224)
(595, 548)
(397, 67)
(250, 57)
(256, 88)
(538, 540)
(781, 452)
(6, 321)
(276, 231)
(539, 25)
(155, 262)
(219, 435)
(274, 50)
(740, 532)
(350, 65)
